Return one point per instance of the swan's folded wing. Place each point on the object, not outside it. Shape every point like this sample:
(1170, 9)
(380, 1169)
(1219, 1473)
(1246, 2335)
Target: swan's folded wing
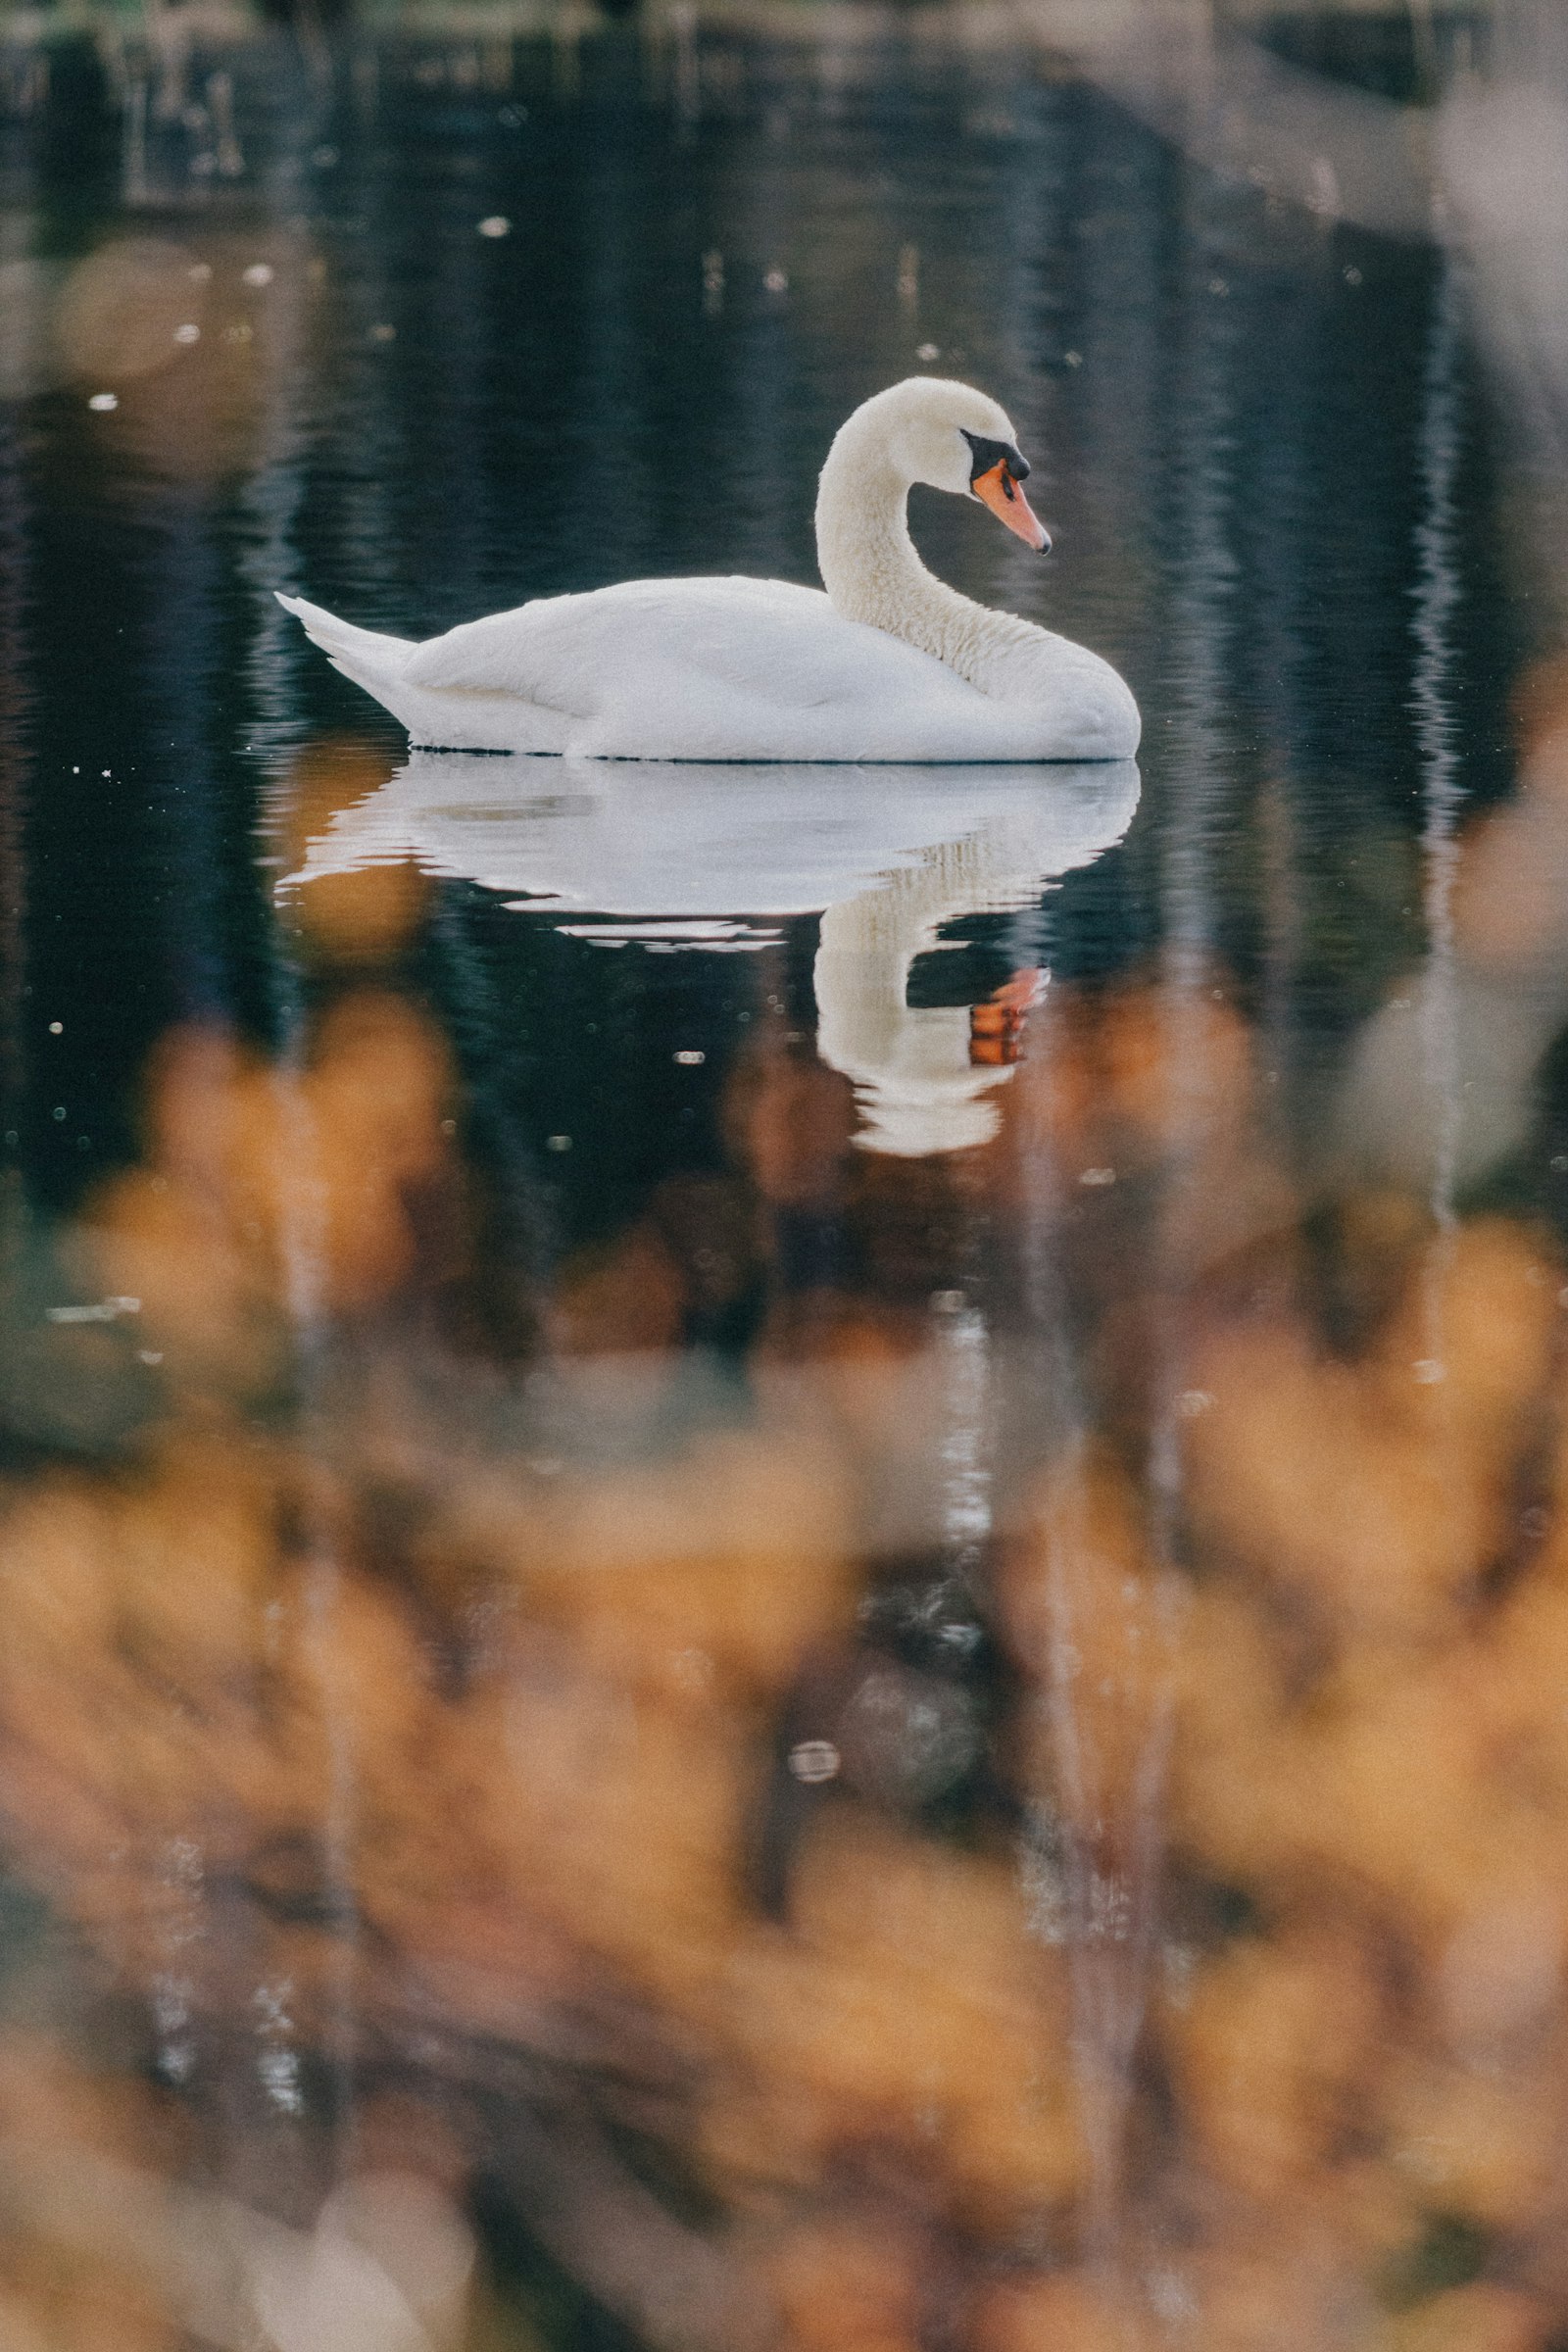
(506, 652)
(766, 639)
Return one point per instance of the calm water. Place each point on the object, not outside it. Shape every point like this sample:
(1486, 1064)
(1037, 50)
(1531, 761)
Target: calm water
(783, 1545)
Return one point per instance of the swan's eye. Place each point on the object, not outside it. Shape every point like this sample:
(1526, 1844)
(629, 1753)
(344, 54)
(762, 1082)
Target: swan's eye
(987, 455)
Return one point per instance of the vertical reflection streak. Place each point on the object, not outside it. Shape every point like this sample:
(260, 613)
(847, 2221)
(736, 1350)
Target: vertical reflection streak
(1201, 605)
(964, 1353)
(1204, 601)
(274, 491)
(476, 1016)
(301, 1234)
(271, 504)
(1279, 453)
(1109, 1898)
(180, 659)
(301, 1239)
(1097, 2044)
(13, 778)
(1437, 594)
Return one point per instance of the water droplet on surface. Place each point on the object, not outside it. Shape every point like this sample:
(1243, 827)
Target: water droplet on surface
(278, 2071)
(815, 1762)
(964, 1639)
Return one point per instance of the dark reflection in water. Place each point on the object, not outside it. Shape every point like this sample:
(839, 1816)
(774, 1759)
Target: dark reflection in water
(783, 1550)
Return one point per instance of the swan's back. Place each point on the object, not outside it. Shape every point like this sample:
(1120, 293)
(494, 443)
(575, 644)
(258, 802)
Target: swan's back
(783, 643)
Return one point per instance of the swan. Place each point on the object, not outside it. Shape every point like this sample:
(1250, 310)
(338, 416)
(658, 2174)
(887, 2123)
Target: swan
(889, 664)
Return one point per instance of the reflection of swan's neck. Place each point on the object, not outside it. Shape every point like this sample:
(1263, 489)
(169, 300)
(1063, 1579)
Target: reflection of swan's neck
(913, 1079)
(871, 572)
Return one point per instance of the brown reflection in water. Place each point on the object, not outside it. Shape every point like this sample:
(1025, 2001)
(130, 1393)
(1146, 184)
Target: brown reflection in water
(498, 1784)
(364, 917)
(190, 344)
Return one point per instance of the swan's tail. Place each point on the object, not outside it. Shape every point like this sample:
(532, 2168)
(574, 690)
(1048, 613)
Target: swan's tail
(456, 722)
(362, 649)
(371, 661)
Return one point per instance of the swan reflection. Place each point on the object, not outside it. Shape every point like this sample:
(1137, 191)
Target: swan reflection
(710, 857)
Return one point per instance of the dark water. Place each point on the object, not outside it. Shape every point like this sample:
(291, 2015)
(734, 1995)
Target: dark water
(517, 1316)
(1226, 410)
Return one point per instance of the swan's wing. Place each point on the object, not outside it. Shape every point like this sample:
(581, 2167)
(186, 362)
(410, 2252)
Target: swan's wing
(765, 639)
(505, 653)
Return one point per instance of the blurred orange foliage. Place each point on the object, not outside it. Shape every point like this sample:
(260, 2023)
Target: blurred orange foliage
(1232, 2012)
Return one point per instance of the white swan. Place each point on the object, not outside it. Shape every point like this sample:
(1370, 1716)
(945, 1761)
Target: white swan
(890, 665)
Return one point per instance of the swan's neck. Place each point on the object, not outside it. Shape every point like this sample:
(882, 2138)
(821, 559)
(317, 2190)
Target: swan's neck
(873, 572)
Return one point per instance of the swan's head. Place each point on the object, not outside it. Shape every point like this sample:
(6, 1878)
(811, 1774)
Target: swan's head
(953, 438)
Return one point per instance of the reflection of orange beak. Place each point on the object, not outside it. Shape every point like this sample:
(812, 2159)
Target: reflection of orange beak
(996, 1027)
(1006, 501)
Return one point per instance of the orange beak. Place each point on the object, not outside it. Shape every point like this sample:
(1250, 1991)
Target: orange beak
(1006, 501)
